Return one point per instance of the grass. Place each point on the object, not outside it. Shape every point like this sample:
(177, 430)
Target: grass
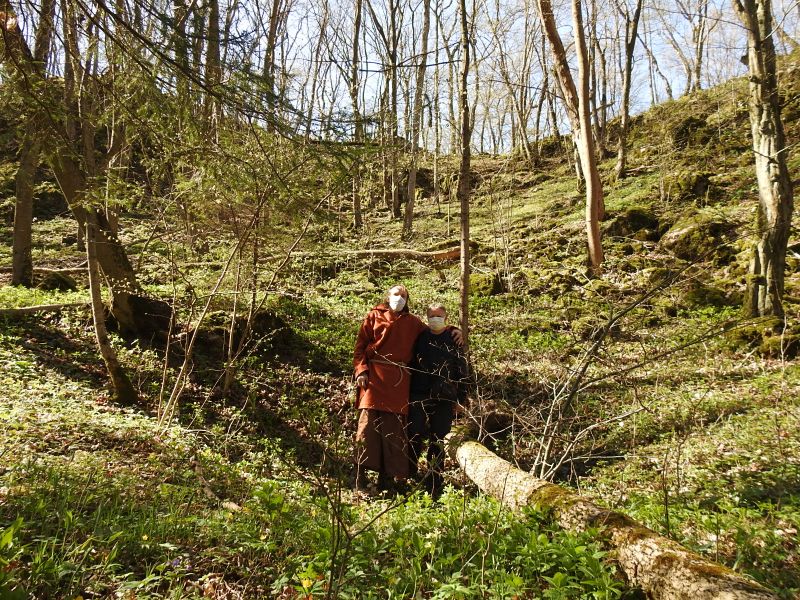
(19, 297)
(242, 494)
(103, 501)
(730, 490)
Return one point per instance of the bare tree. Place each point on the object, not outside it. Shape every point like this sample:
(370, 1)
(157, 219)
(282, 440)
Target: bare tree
(631, 34)
(695, 13)
(576, 101)
(654, 68)
(464, 183)
(358, 126)
(417, 116)
(765, 283)
(29, 154)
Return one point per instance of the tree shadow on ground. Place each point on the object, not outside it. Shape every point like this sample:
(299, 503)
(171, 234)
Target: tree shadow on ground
(53, 349)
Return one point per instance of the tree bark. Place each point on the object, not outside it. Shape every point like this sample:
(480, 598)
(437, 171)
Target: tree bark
(213, 107)
(358, 127)
(110, 254)
(663, 569)
(576, 101)
(416, 117)
(464, 184)
(765, 286)
(275, 20)
(631, 34)
(22, 259)
(124, 392)
(393, 120)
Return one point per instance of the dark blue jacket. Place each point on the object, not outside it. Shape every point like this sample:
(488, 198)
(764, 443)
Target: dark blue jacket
(438, 368)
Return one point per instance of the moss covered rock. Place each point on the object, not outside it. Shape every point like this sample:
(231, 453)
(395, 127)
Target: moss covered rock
(631, 222)
(485, 284)
(780, 345)
(698, 237)
(769, 337)
(691, 131)
(688, 184)
(706, 295)
(58, 281)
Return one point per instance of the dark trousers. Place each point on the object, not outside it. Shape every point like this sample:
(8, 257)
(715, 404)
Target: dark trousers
(381, 443)
(429, 420)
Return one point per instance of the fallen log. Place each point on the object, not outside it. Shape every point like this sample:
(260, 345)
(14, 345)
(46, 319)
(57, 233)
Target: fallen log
(388, 253)
(662, 568)
(439, 255)
(46, 271)
(28, 310)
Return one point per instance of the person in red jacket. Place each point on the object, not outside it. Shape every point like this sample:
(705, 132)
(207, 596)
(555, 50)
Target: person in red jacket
(384, 348)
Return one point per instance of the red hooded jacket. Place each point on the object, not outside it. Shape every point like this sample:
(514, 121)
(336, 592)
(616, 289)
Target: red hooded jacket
(384, 346)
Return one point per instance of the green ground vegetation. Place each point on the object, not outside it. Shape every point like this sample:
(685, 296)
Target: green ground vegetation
(687, 417)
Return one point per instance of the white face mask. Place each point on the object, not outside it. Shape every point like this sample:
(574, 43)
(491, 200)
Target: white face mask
(396, 302)
(436, 323)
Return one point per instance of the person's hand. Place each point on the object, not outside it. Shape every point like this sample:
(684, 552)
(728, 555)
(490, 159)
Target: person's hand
(362, 381)
(458, 336)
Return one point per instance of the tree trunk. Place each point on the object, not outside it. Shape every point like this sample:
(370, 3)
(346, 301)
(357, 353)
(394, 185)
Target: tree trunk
(464, 169)
(110, 254)
(358, 127)
(451, 83)
(765, 286)
(213, 70)
(275, 19)
(393, 120)
(577, 105)
(699, 35)
(663, 569)
(631, 33)
(22, 260)
(124, 393)
(416, 117)
(598, 83)
(437, 118)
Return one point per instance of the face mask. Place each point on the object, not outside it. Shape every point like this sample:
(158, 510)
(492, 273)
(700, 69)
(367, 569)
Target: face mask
(436, 323)
(396, 303)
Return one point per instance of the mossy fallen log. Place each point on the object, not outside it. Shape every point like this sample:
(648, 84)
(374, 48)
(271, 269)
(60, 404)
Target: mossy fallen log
(662, 568)
(29, 310)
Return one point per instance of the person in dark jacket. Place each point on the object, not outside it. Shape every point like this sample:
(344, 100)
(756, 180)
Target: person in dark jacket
(439, 376)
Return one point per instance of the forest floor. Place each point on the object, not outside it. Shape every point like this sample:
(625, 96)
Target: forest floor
(687, 418)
